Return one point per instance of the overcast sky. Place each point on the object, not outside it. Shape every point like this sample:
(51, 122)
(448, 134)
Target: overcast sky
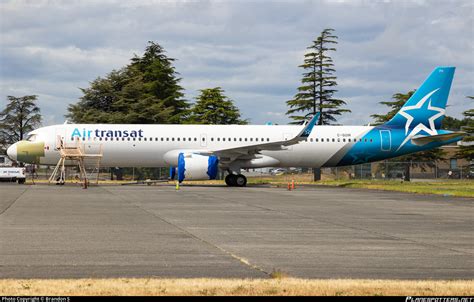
(251, 49)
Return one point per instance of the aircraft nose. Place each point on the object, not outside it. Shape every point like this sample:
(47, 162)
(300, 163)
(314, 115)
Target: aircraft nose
(11, 152)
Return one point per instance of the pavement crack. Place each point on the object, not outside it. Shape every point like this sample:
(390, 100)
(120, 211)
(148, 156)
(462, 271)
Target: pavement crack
(13, 201)
(187, 232)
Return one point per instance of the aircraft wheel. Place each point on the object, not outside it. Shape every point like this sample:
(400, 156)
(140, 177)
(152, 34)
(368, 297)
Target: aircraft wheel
(230, 180)
(240, 180)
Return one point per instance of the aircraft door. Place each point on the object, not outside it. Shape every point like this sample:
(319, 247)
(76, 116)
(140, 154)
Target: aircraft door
(59, 138)
(385, 140)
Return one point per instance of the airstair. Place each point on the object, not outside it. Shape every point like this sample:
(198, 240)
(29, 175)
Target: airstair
(75, 155)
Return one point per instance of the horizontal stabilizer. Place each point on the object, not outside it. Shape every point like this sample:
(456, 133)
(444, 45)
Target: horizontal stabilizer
(423, 140)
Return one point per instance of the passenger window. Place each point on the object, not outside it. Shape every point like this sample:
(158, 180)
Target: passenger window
(251, 139)
(212, 139)
(365, 140)
(338, 140)
(343, 140)
(203, 139)
(268, 139)
(143, 139)
(240, 139)
(245, 139)
(189, 139)
(172, 139)
(311, 140)
(167, 139)
(218, 139)
(370, 140)
(128, 138)
(195, 139)
(235, 139)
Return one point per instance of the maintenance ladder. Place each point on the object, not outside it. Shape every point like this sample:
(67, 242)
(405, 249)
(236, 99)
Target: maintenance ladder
(76, 155)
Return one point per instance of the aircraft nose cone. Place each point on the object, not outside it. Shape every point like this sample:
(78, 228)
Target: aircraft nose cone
(11, 152)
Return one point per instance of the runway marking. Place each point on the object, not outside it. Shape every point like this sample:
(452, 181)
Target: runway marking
(349, 227)
(237, 257)
(14, 200)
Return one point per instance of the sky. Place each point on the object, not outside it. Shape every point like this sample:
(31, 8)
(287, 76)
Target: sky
(252, 49)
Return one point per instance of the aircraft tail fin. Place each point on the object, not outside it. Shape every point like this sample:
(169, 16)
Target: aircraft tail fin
(426, 107)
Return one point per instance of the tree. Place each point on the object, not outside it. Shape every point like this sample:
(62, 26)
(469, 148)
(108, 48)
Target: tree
(213, 107)
(318, 86)
(466, 150)
(421, 159)
(146, 91)
(453, 124)
(20, 116)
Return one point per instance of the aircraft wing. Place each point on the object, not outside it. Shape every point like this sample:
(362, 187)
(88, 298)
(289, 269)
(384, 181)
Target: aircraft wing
(231, 154)
(421, 140)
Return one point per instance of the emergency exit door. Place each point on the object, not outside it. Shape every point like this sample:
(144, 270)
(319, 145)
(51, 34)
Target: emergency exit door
(385, 140)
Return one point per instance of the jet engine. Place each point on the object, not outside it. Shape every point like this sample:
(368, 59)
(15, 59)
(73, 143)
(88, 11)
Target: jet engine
(196, 167)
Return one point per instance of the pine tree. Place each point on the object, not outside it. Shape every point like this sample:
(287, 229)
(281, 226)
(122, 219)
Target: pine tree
(318, 84)
(213, 107)
(20, 116)
(421, 159)
(162, 91)
(146, 91)
(466, 150)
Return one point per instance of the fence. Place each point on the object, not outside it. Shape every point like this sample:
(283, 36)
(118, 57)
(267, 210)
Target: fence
(379, 170)
(397, 170)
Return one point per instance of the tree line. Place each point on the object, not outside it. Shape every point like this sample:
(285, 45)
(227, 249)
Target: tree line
(148, 91)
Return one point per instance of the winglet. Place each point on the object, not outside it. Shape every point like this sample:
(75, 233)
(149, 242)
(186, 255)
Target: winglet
(309, 127)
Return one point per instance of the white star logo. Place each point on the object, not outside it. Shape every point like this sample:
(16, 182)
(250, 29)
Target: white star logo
(420, 127)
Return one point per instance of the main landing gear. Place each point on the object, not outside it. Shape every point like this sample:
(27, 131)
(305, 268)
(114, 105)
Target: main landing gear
(233, 180)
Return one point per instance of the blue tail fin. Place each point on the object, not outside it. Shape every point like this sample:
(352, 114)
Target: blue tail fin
(426, 107)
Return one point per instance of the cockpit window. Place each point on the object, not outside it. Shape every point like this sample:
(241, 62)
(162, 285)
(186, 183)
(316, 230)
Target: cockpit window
(31, 137)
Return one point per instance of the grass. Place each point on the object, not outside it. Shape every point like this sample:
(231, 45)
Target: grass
(461, 188)
(229, 287)
(447, 188)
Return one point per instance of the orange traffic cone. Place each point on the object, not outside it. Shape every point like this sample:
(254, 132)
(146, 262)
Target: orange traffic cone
(289, 187)
(292, 184)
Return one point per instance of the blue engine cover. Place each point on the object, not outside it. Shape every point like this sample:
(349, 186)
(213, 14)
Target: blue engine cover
(197, 166)
(212, 166)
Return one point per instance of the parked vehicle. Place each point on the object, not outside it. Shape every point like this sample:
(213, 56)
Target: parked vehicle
(11, 174)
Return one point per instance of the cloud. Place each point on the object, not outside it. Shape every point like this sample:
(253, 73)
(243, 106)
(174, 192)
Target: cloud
(250, 49)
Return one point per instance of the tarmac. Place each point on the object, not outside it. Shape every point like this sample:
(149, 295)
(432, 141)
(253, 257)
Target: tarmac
(216, 231)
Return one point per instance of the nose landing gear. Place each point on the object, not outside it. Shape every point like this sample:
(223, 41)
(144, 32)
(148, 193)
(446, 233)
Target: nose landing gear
(233, 180)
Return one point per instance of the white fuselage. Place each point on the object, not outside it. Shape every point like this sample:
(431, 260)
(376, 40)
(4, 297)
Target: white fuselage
(145, 145)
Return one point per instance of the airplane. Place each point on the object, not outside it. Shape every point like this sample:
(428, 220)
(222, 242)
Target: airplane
(196, 152)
